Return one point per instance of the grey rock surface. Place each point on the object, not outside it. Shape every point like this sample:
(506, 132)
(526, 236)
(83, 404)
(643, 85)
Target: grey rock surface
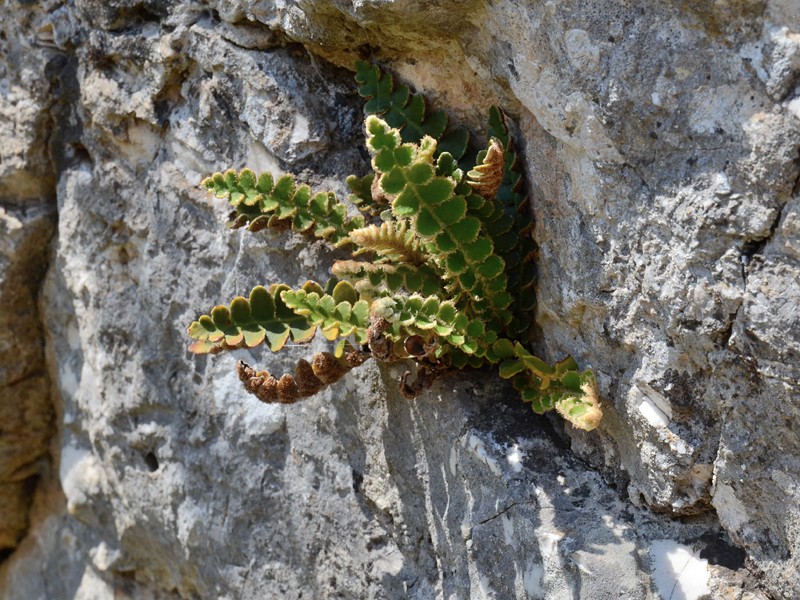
(662, 147)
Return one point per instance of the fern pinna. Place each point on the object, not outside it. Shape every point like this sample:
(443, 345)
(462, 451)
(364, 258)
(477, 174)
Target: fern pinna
(441, 274)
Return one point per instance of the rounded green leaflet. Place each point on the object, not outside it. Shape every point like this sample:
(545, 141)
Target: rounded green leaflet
(430, 306)
(384, 161)
(476, 328)
(265, 183)
(326, 306)
(437, 190)
(403, 155)
(571, 380)
(394, 281)
(446, 244)
(342, 312)
(262, 306)
(456, 263)
(302, 222)
(496, 285)
(230, 180)
(427, 224)
(380, 136)
(301, 196)
(320, 204)
(361, 313)
(406, 204)
(198, 331)
(254, 335)
(470, 346)
(284, 188)
(445, 164)
(212, 332)
(277, 334)
(466, 230)
(393, 181)
(222, 318)
(458, 340)
(467, 280)
(419, 173)
(435, 124)
(491, 267)
(447, 312)
(345, 292)
(240, 311)
(247, 179)
(479, 250)
(297, 300)
(503, 348)
(451, 211)
(506, 241)
(282, 312)
(412, 280)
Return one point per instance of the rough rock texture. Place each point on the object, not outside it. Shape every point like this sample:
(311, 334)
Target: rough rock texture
(662, 145)
(26, 409)
(27, 198)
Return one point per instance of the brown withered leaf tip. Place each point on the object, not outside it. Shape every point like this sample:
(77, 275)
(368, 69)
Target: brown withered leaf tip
(487, 177)
(327, 368)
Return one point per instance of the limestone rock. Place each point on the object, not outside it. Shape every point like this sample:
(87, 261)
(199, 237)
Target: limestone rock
(661, 143)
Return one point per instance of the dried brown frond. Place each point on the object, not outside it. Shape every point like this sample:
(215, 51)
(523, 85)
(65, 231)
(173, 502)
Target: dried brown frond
(487, 177)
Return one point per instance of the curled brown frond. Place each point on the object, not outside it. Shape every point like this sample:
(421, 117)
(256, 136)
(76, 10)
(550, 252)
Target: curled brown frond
(308, 379)
(487, 177)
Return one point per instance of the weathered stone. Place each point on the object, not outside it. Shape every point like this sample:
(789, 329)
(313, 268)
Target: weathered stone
(661, 142)
(26, 411)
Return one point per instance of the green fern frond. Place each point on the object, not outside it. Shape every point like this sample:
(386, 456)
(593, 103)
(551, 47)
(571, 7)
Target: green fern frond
(562, 387)
(417, 315)
(338, 314)
(511, 226)
(247, 323)
(260, 202)
(439, 217)
(406, 111)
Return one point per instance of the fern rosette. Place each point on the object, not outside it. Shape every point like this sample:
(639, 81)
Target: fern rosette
(445, 278)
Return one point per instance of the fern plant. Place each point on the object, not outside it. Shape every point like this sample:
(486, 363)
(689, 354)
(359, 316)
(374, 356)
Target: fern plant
(441, 272)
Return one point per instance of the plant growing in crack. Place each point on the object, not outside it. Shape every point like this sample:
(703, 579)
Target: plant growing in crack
(448, 280)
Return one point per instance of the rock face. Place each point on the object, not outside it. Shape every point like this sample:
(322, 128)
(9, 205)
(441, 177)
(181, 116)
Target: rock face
(27, 215)
(662, 146)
